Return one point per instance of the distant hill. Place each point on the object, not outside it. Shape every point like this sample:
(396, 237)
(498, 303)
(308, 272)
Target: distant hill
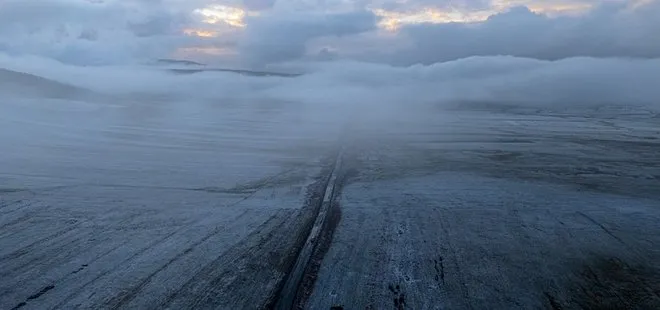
(178, 62)
(241, 72)
(25, 84)
(191, 67)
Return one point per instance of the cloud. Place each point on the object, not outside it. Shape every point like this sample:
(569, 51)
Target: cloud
(496, 80)
(283, 37)
(83, 32)
(261, 33)
(608, 31)
(258, 5)
(317, 107)
(403, 6)
(159, 25)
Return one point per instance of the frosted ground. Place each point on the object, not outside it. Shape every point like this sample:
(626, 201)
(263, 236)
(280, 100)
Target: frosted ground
(483, 183)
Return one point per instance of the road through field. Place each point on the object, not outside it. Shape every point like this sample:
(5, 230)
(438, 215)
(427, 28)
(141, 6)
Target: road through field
(154, 205)
(118, 205)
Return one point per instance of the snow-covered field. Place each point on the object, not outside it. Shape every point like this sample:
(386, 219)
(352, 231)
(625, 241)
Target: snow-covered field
(141, 189)
(499, 210)
(135, 201)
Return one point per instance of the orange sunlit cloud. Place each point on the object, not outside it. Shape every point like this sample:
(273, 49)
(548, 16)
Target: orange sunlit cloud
(223, 14)
(218, 19)
(392, 20)
(200, 33)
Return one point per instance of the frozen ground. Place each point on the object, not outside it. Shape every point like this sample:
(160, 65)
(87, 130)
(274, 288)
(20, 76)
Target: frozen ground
(117, 204)
(143, 201)
(504, 210)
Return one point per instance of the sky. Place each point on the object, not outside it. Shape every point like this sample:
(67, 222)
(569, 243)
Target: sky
(261, 34)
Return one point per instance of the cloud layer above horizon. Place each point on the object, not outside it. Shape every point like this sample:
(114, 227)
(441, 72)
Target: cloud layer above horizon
(263, 33)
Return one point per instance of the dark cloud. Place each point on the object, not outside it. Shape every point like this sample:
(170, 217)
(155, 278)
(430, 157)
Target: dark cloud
(326, 54)
(278, 38)
(404, 6)
(158, 24)
(91, 32)
(258, 5)
(609, 31)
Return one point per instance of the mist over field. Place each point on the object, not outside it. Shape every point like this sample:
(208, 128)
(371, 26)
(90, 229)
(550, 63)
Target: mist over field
(498, 80)
(376, 154)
